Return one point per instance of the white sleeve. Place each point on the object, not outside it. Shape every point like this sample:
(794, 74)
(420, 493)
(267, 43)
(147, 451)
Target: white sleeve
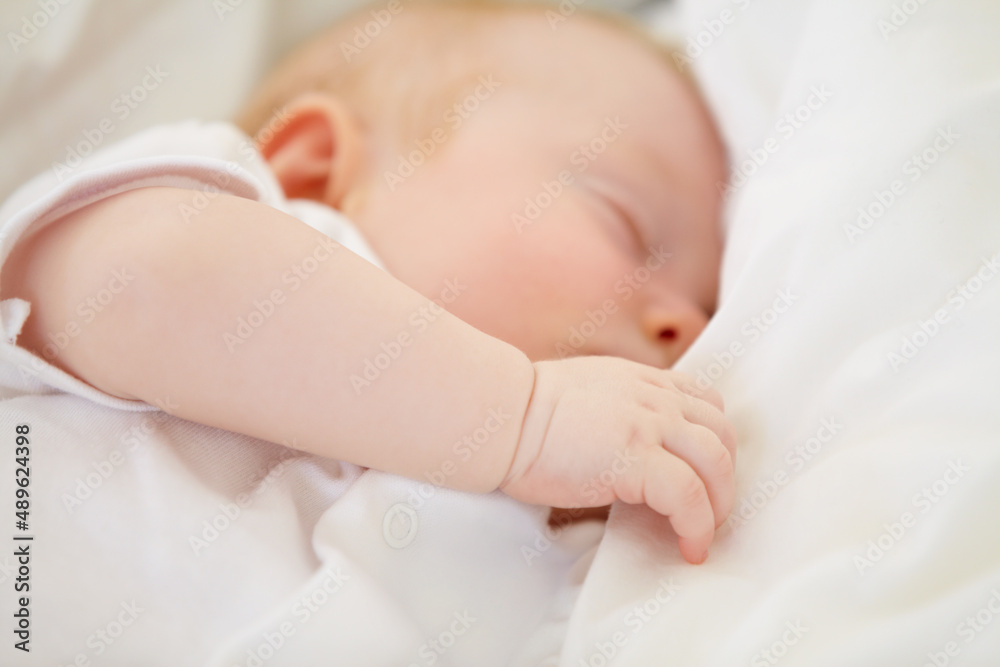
(45, 199)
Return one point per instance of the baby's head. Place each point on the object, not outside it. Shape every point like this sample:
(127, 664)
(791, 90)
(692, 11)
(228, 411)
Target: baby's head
(550, 179)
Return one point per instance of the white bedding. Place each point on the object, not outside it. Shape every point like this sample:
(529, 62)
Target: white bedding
(859, 357)
(819, 375)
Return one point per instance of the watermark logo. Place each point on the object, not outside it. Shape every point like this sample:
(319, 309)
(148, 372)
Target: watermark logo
(794, 631)
(122, 107)
(709, 31)
(626, 287)
(884, 199)
(924, 500)
(365, 34)
(752, 330)
(418, 321)
(400, 522)
(930, 328)
(454, 117)
(765, 490)
(399, 525)
(32, 25)
(786, 128)
(899, 17)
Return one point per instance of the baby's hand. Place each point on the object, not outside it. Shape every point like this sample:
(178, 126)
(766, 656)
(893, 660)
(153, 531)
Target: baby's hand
(599, 429)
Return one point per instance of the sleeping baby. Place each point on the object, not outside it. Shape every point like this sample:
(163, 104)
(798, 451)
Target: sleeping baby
(464, 246)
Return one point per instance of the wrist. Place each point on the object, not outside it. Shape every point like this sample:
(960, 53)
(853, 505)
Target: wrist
(508, 453)
(483, 455)
(519, 451)
(534, 427)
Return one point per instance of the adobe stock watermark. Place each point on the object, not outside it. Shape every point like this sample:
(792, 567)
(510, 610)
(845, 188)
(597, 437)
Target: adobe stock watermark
(121, 108)
(278, 121)
(751, 330)
(967, 630)
(263, 308)
(87, 311)
(130, 441)
(561, 13)
(710, 30)
(779, 648)
(454, 117)
(418, 322)
(915, 167)
(432, 650)
(400, 522)
(580, 160)
(626, 287)
(329, 582)
(203, 197)
(592, 490)
(35, 23)
(367, 33)
(900, 15)
(798, 457)
(230, 512)
(105, 636)
(635, 619)
(785, 128)
(922, 501)
(549, 535)
(957, 299)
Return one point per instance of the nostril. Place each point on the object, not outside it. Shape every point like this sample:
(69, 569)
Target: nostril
(669, 333)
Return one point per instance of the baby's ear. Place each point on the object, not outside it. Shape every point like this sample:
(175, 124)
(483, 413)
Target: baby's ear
(314, 147)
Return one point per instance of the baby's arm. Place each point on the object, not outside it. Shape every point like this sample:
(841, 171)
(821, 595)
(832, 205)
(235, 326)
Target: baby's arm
(289, 381)
(575, 433)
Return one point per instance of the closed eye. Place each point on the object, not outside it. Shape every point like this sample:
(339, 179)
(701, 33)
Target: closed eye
(637, 235)
(623, 226)
(633, 241)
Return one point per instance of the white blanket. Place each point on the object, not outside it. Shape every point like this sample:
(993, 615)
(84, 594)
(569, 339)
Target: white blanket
(856, 347)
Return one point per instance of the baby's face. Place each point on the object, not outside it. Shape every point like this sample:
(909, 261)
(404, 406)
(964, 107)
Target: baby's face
(582, 219)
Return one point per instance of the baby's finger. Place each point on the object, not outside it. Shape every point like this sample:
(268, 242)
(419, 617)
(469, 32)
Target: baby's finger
(701, 449)
(671, 488)
(704, 414)
(708, 394)
(688, 385)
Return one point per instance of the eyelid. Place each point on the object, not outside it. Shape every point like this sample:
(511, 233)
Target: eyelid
(636, 238)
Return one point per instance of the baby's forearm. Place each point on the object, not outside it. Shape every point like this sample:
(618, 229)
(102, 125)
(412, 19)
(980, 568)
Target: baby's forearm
(248, 320)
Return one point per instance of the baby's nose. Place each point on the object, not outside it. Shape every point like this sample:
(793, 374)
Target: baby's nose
(673, 325)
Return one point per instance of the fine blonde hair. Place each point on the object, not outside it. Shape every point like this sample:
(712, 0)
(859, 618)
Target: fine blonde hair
(403, 62)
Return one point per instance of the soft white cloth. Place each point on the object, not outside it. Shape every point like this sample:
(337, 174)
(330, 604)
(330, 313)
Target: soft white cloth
(191, 545)
(856, 347)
